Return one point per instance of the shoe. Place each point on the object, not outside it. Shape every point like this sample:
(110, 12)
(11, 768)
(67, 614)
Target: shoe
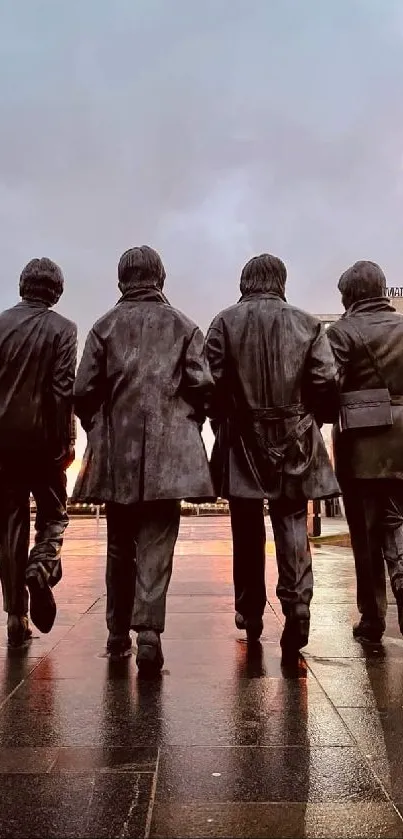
(296, 630)
(42, 604)
(18, 631)
(149, 651)
(119, 646)
(239, 621)
(254, 629)
(368, 631)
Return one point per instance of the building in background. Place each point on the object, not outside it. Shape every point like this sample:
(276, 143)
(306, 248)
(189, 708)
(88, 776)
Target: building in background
(396, 298)
(328, 319)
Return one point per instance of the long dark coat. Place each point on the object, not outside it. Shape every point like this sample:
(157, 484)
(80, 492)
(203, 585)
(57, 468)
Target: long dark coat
(141, 393)
(38, 352)
(273, 368)
(370, 453)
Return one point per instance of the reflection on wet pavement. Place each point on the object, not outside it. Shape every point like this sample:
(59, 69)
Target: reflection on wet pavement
(226, 742)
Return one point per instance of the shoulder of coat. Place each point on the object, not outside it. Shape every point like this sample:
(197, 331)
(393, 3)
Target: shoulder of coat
(301, 314)
(341, 328)
(187, 322)
(61, 322)
(228, 312)
(105, 319)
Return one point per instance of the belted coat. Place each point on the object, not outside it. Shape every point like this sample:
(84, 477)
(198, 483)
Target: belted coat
(142, 388)
(275, 380)
(377, 452)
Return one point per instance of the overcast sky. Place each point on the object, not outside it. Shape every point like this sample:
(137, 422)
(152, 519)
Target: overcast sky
(211, 130)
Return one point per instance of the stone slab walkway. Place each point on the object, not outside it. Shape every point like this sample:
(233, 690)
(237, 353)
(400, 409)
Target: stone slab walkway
(226, 743)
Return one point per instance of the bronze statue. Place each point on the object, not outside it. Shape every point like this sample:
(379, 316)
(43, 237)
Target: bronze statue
(38, 350)
(368, 442)
(275, 381)
(142, 389)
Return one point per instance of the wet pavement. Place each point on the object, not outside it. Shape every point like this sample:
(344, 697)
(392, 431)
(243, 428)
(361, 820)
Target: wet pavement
(225, 743)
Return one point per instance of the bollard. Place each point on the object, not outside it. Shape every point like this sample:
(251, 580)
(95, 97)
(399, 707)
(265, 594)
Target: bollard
(317, 523)
(314, 518)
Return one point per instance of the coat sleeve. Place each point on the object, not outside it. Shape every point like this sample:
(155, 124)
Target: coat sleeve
(322, 394)
(89, 392)
(62, 384)
(198, 382)
(215, 352)
(340, 343)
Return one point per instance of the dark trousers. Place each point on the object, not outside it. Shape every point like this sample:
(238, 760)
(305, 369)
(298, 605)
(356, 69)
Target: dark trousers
(141, 543)
(295, 579)
(48, 487)
(374, 512)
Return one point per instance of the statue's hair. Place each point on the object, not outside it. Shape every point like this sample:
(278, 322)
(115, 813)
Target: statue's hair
(264, 273)
(43, 280)
(361, 281)
(140, 266)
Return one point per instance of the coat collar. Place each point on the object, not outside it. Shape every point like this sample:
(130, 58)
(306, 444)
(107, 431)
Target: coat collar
(34, 304)
(261, 295)
(144, 294)
(372, 304)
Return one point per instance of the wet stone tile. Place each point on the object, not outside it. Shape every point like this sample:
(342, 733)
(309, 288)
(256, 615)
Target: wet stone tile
(368, 683)
(13, 671)
(319, 725)
(338, 644)
(379, 734)
(209, 820)
(119, 806)
(70, 805)
(265, 774)
(214, 626)
(180, 588)
(214, 712)
(27, 760)
(121, 759)
(200, 605)
(42, 806)
(96, 666)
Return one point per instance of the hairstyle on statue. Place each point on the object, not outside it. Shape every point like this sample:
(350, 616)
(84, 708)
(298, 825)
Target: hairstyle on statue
(264, 273)
(140, 266)
(362, 281)
(42, 280)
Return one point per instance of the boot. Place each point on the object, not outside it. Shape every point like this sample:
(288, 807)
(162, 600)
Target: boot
(254, 629)
(149, 651)
(42, 605)
(239, 621)
(369, 631)
(18, 630)
(296, 629)
(119, 646)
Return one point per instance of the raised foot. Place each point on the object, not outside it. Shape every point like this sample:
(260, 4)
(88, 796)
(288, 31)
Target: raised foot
(42, 604)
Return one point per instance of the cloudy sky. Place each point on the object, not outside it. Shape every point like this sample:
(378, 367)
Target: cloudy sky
(211, 130)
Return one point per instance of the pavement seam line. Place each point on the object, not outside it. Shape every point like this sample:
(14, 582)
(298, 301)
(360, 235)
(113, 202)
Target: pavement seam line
(359, 748)
(53, 763)
(4, 701)
(350, 733)
(153, 794)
